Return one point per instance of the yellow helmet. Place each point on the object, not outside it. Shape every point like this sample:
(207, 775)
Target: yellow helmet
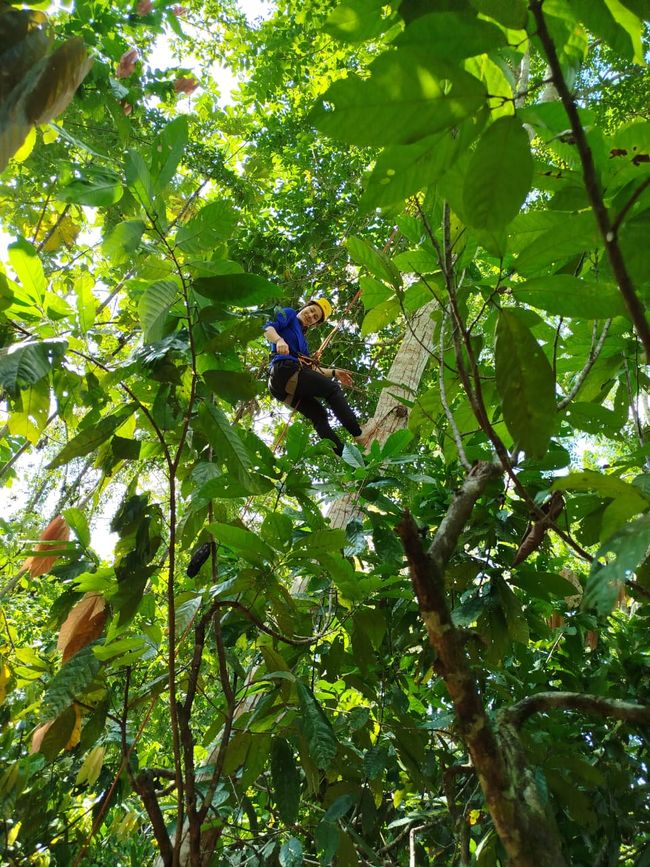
(324, 305)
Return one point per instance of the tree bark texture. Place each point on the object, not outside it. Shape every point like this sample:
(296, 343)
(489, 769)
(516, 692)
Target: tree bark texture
(390, 414)
(526, 829)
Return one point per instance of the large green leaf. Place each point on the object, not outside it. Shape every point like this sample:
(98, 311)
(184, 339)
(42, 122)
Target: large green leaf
(525, 384)
(239, 290)
(25, 363)
(410, 94)
(615, 561)
(138, 177)
(28, 267)
(499, 175)
(452, 35)
(123, 241)
(402, 170)
(565, 295)
(153, 307)
(167, 151)
(92, 437)
(376, 261)
(70, 682)
(213, 223)
(228, 445)
(285, 778)
(358, 20)
(291, 853)
(318, 731)
(510, 13)
(98, 188)
(232, 385)
(605, 484)
(380, 316)
(248, 544)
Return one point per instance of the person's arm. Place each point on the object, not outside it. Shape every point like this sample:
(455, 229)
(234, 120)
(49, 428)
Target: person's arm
(281, 345)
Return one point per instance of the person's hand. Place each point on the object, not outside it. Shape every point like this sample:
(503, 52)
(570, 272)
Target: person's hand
(282, 347)
(344, 378)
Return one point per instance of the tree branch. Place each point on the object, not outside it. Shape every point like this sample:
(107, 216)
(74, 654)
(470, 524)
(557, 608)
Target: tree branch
(595, 705)
(590, 176)
(594, 352)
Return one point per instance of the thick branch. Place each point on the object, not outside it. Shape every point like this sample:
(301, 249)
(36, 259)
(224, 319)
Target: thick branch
(590, 176)
(595, 705)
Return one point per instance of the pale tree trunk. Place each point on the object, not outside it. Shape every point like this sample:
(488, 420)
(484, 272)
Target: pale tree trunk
(391, 414)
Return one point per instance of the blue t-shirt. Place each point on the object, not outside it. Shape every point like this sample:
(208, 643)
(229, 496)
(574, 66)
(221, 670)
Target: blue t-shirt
(289, 328)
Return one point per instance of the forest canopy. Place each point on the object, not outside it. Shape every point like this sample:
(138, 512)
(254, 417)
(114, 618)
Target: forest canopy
(221, 643)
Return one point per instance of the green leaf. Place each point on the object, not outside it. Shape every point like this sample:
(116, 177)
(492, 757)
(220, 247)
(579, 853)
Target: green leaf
(285, 778)
(138, 178)
(130, 592)
(607, 485)
(452, 35)
(515, 617)
(327, 839)
(229, 446)
(410, 94)
(213, 223)
(375, 761)
(633, 24)
(340, 807)
(70, 682)
(291, 853)
(358, 20)
(92, 437)
(376, 261)
(240, 290)
(27, 265)
(499, 175)
(98, 188)
(232, 385)
(77, 522)
(24, 364)
(597, 17)
(317, 729)
(510, 13)
(565, 295)
(167, 151)
(122, 242)
(86, 302)
(402, 170)
(153, 307)
(623, 553)
(525, 385)
(246, 543)
(542, 585)
(380, 316)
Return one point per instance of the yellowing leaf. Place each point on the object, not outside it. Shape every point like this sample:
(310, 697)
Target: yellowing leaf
(474, 816)
(5, 674)
(91, 767)
(83, 624)
(27, 146)
(65, 232)
(75, 734)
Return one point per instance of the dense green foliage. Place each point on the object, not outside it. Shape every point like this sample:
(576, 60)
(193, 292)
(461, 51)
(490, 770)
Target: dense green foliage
(284, 701)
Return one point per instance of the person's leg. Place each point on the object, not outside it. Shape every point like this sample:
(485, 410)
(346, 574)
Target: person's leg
(317, 415)
(313, 384)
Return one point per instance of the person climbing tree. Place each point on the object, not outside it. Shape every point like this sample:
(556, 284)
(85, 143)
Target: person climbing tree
(296, 378)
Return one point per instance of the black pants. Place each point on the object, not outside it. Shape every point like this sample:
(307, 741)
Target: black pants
(310, 386)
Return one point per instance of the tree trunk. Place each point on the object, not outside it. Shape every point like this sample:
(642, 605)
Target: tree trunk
(391, 415)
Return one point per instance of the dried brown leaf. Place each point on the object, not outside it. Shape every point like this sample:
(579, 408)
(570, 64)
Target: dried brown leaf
(83, 624)
(56, 531)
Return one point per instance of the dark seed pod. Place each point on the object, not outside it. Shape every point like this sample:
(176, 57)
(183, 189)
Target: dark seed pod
(198, 559)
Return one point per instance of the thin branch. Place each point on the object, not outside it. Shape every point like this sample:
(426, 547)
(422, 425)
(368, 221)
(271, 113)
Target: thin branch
(590, 177)
(630, 202)
(594, 352)
(443, 399)
(594, 705)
